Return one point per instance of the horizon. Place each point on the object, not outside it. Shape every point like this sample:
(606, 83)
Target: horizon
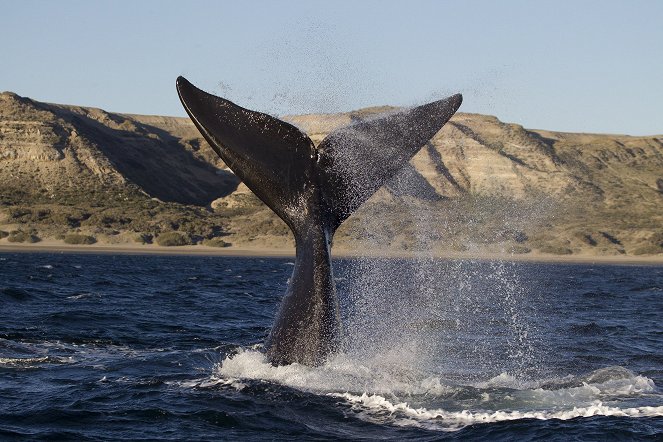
(521, 62)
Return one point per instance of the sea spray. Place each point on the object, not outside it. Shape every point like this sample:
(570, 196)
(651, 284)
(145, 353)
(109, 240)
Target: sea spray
(424, 313)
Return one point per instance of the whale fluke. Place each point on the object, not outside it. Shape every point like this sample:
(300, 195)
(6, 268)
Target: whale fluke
(356, 160)
(313, 190)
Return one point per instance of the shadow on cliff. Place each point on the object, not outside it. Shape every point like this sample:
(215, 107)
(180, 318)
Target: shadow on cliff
(409, 182)
(150, 157)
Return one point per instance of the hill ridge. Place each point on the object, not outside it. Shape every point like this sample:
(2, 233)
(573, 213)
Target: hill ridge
(489, 184)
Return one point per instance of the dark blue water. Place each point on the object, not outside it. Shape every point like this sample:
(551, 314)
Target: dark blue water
(168, 348)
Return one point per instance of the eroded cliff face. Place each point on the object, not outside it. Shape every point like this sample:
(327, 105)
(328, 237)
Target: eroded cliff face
(480, 183)
(41, 153)
(52, 151)
(565, 192)
(478, 154)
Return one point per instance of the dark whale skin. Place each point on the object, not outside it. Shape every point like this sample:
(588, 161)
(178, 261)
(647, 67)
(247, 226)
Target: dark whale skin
(313, 190)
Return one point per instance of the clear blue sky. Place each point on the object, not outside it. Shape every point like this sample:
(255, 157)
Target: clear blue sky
(584, 66)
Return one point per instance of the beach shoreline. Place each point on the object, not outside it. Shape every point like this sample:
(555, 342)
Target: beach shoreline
(232, 251)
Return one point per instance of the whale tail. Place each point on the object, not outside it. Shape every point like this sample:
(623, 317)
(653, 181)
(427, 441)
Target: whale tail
(313, 189)
(280, 164)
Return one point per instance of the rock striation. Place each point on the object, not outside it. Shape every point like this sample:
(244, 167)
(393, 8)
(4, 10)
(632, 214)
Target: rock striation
(480, 184)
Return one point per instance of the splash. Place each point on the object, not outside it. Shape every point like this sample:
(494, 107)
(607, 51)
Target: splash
(441, 344)
(421, 311)
(380, 393)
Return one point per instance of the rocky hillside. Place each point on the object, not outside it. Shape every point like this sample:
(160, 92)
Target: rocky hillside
(479, 185)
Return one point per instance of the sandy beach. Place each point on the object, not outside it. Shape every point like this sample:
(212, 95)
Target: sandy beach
(200, 250)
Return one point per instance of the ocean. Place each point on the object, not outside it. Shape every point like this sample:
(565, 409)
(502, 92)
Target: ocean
(126, 347)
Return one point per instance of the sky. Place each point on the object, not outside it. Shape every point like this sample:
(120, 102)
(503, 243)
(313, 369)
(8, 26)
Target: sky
(576, 66)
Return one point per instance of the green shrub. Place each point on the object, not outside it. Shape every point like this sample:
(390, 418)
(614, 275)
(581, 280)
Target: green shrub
(520, 237)
(22, 237)
(19, 213)
(657, 238)
(554, 249)
(3, 234)
(77, 238)
(68, 216)
(143, 238)
(519, 250)
(458, 247)
(216, 242)
(41, 215)
(170, 239)
(648, 249)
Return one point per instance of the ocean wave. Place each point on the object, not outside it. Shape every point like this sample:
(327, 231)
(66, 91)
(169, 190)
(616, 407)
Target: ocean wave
(34, 361)
(15, 294)
(77, 296)
(406, 397)
(605, 381)
(379, 409)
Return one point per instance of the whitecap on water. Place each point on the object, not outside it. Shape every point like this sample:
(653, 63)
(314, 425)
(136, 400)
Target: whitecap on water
(27, 362)
(77, 296)
(387, 394)
(379, 409)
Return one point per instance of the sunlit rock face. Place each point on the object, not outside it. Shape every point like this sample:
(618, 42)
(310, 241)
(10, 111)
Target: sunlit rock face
(481, 182)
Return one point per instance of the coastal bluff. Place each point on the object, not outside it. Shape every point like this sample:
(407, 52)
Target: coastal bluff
(481, 185)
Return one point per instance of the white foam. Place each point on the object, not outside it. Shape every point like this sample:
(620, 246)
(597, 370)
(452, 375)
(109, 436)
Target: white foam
(84, 295)
(33, 362)
(386, 394)
(339, 374)
(22, 361)
(374, 407)
(607, 383)
(505, 380)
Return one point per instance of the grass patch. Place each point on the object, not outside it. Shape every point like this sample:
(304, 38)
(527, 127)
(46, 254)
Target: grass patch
(77, 238)
(22, 237)
(519, 250)
(648, 249)
(554, 249)
(143, 238)
(216, 242)
(170, 239)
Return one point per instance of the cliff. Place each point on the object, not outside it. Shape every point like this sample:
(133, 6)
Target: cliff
(480, 184)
